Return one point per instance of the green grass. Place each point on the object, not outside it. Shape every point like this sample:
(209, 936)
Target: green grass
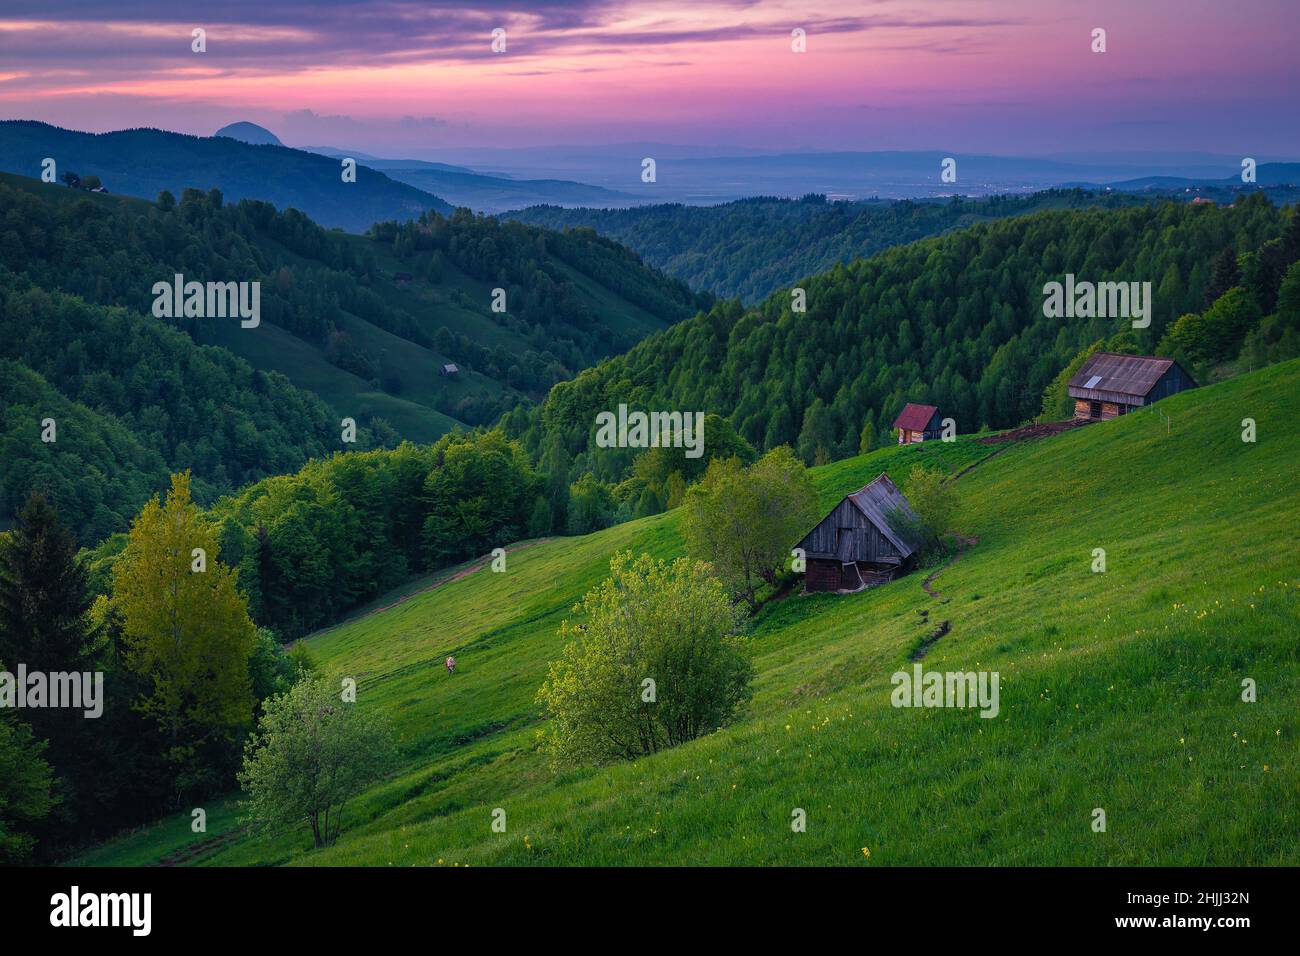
(1119, 690)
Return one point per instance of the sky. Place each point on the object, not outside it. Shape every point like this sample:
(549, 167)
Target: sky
(391, 76)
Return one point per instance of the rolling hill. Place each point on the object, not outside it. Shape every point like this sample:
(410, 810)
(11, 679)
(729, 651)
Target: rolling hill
(355, 326)
(1120, 690)
(484, 193)
(142, 162)
(955, 320)
(752, 247)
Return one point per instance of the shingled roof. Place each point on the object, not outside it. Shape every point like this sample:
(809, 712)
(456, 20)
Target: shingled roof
(915, 418)
(1107, 374)
(878, 501)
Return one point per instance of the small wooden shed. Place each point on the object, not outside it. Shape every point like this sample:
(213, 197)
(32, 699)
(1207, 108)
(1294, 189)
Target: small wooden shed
(449, 370)
(916, 423)
(855, 545)
(1109, 385)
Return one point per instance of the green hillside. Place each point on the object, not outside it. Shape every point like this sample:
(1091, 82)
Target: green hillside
(1119, 691)
(141, 162)
(752, 247)
(956, 321)
(355, 326)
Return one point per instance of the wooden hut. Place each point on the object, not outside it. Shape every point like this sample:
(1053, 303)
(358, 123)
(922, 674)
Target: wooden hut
(1109, 385)
(916, 423)
(855, 545)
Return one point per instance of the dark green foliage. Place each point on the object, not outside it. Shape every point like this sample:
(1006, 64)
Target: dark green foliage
(1224, 274)
(25, 794)
(752, 247)
(956, 321)
(142, 162)
(136, 396)
(530, 265)
(478, 495)
(96, 471)
(44, 599)
(312, 545)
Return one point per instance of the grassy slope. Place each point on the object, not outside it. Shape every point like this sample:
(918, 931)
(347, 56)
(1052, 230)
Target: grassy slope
(1119, 691)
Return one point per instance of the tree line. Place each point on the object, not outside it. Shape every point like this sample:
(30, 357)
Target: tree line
(955, 321)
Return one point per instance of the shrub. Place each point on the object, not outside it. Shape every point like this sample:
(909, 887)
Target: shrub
(311, 753)
(655, 658)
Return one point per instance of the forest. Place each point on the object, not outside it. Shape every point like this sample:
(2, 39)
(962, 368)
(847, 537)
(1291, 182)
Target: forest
(749, 248)
(955, 321)
(135, 397)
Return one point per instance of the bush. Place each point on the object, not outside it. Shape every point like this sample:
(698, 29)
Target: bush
(655, 659)
(934, 502)
(311, 753)
(744, 521)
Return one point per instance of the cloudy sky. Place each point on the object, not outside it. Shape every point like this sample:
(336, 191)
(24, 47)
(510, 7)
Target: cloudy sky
(997, 76)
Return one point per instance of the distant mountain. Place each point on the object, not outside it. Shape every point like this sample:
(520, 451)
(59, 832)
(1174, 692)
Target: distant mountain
(378, 162)
(250, 133)
(699, 175)
(462, 186)
(142, 162)
(1266, 174)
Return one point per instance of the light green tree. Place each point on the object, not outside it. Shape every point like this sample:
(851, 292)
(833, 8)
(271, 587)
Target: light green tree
(187, 630)
(934, 502)
(655, 658)
(867, 439)
(744, 521)
(311, 753)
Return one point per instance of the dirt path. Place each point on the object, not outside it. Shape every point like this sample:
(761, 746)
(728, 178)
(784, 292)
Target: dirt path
(927, 642)
(975, 464)
(201, 849)
(478, 565)
(964, 543)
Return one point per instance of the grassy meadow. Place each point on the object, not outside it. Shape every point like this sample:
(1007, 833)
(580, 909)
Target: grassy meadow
(1120, 690)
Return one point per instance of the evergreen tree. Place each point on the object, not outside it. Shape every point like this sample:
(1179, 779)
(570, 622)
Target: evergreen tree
(44, 599)
(1224, 274)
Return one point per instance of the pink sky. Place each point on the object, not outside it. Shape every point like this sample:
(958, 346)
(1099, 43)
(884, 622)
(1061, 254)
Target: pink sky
(978, 75)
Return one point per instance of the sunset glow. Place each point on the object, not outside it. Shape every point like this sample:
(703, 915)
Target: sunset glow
(881, 75)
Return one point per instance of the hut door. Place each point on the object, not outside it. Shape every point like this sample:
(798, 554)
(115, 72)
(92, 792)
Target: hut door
(844, 549)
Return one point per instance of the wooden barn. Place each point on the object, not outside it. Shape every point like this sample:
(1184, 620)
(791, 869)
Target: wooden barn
(917, 423)
(854, 546)
(1109, 385)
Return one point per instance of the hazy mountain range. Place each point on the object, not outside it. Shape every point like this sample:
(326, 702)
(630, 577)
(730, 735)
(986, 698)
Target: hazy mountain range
(245, 160)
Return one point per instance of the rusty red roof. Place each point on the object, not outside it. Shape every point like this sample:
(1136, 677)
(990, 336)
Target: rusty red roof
(915, 418)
